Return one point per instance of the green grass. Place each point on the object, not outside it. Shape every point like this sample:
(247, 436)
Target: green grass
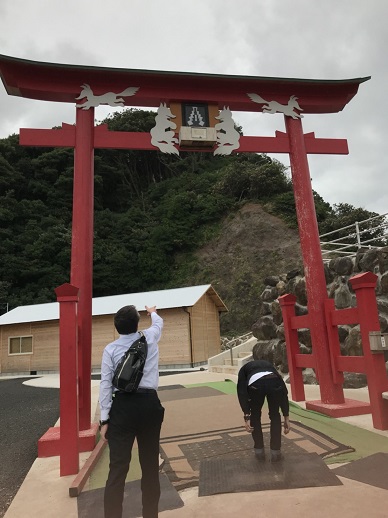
(99, 474)
(363, 441)
(227, 387)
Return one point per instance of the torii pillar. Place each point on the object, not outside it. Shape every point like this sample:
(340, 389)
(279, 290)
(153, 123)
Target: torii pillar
(81, 273)
(331, 393)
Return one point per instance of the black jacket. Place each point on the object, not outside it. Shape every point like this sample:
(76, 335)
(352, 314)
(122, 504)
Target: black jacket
(244, 376)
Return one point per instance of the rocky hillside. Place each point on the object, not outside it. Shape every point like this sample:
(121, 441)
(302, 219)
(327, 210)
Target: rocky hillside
(269, 329)
(252, 245)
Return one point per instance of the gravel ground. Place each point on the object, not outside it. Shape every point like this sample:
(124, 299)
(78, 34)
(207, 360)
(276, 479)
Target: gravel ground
(26, 414)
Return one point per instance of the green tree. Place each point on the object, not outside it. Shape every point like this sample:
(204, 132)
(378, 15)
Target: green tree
(252, 177)
(152, 213)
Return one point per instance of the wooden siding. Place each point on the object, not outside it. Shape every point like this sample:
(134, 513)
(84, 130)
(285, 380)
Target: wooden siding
(103, 333)
(45, 350)
(205, 329)
(190, 336)
(174, 347)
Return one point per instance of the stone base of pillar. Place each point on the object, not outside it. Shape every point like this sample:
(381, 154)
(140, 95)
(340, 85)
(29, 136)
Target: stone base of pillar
(349, 408)
(48, 444)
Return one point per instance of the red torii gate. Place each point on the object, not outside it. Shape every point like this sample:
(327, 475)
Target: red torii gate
(63, 83)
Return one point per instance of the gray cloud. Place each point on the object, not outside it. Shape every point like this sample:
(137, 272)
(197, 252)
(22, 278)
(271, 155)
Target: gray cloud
(325, 40)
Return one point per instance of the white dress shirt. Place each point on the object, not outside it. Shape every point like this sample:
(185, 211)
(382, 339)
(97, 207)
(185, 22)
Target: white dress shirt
(113, 353)
(257, 376)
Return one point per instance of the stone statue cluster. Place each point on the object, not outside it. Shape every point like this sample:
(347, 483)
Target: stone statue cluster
(269, 329)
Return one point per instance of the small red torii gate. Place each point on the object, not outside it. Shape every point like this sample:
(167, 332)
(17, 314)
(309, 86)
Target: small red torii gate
(62, 83)
(371, 363)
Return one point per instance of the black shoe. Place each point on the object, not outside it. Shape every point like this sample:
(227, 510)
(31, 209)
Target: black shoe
(276, 456)
(260, 457)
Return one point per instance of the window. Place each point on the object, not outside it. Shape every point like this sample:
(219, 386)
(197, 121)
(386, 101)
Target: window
(20, 345)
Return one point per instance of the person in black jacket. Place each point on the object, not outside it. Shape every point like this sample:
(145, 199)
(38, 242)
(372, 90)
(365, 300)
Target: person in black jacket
(257, 380)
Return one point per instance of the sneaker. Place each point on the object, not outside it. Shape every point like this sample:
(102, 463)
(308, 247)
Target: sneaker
(276, 456)
(260, 454)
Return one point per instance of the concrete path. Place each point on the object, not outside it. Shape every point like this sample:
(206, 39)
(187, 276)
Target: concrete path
(44, 494)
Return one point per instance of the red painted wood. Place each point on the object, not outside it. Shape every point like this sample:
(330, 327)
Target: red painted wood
(312, 259)
(300, 322)
(64, 137)
(305, 360)
(345, 316)
(287, 303)
(103, 138)
(334, 343)
(34, 80)
(67, 296)
(364, 287)
(49, 443)
(351, 364)
(372, 364)
(86, 470)
(82, 253)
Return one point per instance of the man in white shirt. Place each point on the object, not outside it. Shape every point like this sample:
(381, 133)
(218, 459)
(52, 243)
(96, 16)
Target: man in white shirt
(126, 416)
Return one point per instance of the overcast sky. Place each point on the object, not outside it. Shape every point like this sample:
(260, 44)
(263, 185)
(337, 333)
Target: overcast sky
(328, 39)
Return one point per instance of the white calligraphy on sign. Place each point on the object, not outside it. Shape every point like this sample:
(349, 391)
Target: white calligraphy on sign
(195, 116)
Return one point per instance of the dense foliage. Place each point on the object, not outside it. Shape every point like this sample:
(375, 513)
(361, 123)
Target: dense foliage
(151, 212)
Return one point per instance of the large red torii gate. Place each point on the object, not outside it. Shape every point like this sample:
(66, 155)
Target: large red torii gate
(63, 83)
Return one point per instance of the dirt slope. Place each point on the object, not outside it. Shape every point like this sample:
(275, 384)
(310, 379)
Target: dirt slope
(252, 245)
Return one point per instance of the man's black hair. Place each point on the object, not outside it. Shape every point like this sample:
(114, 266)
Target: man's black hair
(127, 320)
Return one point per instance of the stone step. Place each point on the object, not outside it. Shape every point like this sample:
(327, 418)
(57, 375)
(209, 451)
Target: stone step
(229, 362)
(244, 354)
(224, 369)
(216, 368)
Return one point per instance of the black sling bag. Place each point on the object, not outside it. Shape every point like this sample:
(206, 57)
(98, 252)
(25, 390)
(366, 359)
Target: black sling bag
(129, 370)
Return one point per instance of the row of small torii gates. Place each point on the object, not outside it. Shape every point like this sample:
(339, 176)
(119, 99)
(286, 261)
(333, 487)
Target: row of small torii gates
(196, 102)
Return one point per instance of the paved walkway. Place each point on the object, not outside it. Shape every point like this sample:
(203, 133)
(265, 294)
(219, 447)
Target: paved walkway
(44, 494)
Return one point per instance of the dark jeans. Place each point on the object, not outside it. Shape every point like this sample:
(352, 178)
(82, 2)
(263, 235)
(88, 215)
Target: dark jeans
(273, 390)
(133, 416)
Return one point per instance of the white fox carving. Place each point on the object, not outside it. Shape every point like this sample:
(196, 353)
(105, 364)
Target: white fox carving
(109, 98)
(228, 139)
(162, 134)
(273, 106)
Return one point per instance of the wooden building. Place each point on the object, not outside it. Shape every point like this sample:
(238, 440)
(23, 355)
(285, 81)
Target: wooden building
(29, 335)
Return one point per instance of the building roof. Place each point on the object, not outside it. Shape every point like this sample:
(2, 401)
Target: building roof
(162, 299)
(34, 80)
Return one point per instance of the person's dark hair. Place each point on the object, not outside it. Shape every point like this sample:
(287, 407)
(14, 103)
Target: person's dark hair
(127, 320)
(256, 352)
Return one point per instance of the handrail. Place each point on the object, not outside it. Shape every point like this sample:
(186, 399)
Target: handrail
(348, 226)
(358, 244)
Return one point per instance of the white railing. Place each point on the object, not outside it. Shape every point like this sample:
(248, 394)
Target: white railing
(348, 245)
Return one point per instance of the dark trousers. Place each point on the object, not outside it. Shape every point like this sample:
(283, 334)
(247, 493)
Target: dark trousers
(273, 390)
(133, 416)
